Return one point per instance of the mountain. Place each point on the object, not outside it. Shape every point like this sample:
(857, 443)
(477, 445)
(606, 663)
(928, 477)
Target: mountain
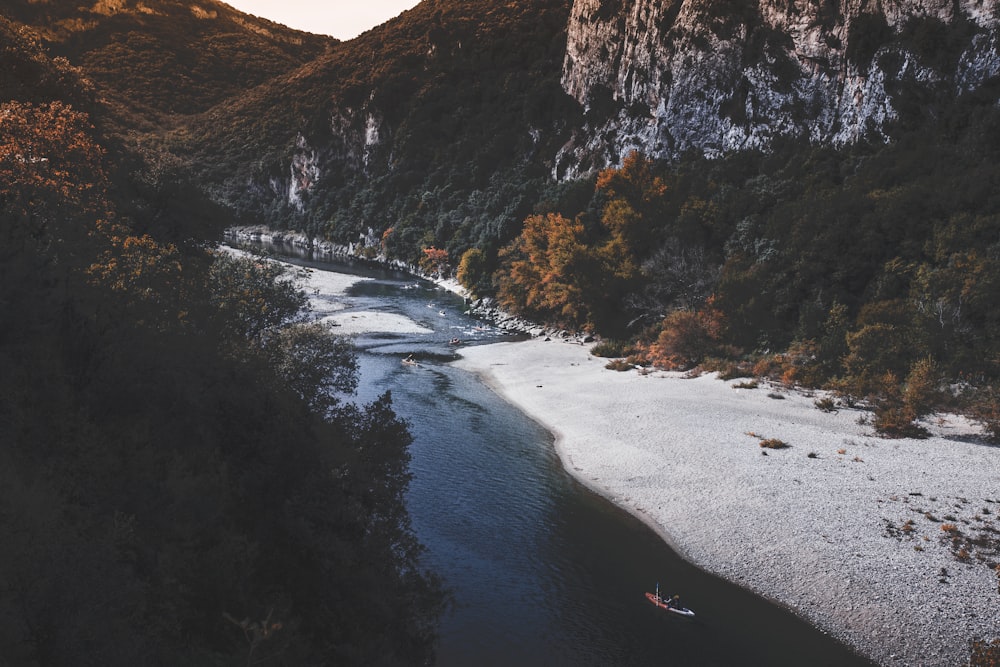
(447, 116)
(454, 121)
(206, 50)
(719, 77)
(802, 190)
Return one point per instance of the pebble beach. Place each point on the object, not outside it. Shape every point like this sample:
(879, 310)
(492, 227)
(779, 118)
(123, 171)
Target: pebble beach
(862, 536)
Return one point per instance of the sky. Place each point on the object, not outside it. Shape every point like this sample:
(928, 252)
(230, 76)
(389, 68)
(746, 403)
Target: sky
(344, 19)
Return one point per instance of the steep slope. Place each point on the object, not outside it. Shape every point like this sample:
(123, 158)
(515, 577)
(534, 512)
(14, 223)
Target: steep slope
(153, 512)
(669, 76)
(447, 124)
(439, 123)
(166, 56)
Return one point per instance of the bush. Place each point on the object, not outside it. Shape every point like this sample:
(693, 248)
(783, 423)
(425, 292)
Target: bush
(826, 404)
(774, 443)
(897, 408)
(619, 365)
(984, 653)
(984, 408)
(472, 271)
(612, 348)
(752, 384)
(687, 337)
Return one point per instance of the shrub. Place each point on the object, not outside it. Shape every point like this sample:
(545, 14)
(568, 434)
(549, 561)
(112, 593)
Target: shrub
(612, 348)
(727, 370)
(774, 443)
(921, 393)
(985, 409)
(825, 404)
(619, 365)
(896, 409)
(434, 260)
(687, 337)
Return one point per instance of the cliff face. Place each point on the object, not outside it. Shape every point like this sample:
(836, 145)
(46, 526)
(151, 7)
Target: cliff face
(667, 76)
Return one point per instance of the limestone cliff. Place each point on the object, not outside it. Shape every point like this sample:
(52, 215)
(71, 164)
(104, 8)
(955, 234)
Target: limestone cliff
(667, 76)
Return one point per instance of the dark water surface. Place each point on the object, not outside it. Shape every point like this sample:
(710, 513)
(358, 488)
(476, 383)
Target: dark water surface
(542, 571)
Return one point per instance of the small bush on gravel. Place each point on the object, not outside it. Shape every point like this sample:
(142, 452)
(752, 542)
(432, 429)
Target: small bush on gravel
(612, 348)
(774, 443)
(825, 404)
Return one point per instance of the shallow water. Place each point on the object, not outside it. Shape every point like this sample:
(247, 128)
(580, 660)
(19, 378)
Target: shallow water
(542, 571)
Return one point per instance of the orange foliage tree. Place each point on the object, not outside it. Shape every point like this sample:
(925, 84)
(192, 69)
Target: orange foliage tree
(435, 260)
(57, 210)
(556, 270)
(546, 270)
(636, 199)
(52, 176)
(687, 337)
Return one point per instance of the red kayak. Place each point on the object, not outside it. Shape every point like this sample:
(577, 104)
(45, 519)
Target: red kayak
(668, 604)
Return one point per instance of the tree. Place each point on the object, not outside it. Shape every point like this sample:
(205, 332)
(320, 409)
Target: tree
(251, 294)
(316, 364)
(434, 260)
(53, 191)
(687, 337)
(544, 271)
(472, 271)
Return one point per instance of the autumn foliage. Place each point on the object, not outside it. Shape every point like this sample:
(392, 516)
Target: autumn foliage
(687, 337)
(434, 260)
(546, 270)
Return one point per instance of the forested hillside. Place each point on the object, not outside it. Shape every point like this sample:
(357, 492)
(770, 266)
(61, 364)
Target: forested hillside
(438, 137)
(184, 479)
(154, 60)
(873, 270)
(440, 124)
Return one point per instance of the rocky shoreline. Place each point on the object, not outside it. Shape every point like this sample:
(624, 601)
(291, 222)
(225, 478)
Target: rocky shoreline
(485, 309)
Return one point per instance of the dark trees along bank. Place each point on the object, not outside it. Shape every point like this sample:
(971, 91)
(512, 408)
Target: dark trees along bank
(183, 480)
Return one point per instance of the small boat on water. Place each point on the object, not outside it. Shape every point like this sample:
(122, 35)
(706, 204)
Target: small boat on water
(670, 604)
(410, 361)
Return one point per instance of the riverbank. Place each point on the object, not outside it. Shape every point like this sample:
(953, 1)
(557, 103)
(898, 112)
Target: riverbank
(364, 251)
(859, 535)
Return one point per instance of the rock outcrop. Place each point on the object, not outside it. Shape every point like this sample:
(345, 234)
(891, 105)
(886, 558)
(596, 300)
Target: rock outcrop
(667, 76)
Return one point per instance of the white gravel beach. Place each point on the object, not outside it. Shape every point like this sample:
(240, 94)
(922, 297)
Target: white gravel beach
(820, 527)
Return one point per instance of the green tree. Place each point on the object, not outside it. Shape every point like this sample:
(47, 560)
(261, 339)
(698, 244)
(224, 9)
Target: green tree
(472, 271)
(252, 294)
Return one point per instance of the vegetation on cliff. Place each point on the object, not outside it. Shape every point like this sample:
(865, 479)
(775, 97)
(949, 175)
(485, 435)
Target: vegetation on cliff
(874, 269)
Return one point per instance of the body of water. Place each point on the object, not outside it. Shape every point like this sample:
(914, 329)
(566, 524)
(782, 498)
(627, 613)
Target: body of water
(542, 571)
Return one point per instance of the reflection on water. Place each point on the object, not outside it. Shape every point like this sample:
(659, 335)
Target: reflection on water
(543, 572)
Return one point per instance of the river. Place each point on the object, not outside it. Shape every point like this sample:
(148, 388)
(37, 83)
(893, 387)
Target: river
(541, 570)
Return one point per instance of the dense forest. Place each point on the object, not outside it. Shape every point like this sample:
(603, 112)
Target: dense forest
(874, 270)
(449, 89)
(185, 479)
